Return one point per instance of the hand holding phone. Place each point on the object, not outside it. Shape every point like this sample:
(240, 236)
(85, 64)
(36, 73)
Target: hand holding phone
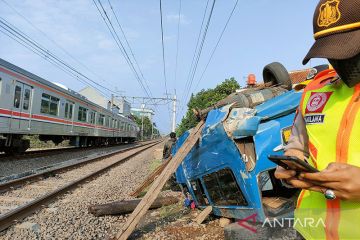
(292, 163)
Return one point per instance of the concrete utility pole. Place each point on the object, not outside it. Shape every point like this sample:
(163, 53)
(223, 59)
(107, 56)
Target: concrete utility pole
(142, 121)
(174, 114)
(152, 130)
(112, 103)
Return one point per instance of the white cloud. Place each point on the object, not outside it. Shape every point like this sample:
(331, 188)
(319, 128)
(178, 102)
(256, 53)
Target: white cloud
(174, 18)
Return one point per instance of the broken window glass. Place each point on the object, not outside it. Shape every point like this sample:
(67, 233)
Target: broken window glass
(223, 189)
(199, 193)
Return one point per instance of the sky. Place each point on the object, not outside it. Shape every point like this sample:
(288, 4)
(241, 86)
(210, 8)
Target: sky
(259, 32)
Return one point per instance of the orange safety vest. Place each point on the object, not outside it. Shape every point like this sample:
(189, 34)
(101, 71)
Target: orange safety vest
(330, 110)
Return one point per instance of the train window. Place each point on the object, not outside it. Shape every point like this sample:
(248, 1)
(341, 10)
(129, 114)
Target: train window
(17, 96)
(82, 114)
(101, 120)
(223, 188)
(92, 118)
(68, 110)
(49, 104)
(26, 99)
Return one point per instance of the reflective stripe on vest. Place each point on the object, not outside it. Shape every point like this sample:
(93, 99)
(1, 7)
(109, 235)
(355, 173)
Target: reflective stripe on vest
(333, 126)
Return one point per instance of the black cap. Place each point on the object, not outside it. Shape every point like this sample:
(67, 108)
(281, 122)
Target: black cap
(336, 30)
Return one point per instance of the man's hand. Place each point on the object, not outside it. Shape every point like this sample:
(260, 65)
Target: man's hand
(343, 179)
(289, 176)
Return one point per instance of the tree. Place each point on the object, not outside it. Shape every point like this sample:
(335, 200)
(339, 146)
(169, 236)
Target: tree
(148, 130)
(204, 99)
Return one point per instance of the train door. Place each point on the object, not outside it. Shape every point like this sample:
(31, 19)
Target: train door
(22, 106)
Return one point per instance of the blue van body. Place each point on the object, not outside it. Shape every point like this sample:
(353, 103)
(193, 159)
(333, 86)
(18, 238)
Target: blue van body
(229, 169)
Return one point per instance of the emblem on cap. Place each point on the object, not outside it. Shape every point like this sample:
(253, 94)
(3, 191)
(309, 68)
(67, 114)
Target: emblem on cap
(329, 13)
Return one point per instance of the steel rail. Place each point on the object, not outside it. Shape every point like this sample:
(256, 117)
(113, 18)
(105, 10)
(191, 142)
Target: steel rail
(6, 186)
(11, 217)
(40, 152)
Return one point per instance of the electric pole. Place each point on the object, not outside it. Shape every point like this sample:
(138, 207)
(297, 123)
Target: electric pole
(174, 114)
(142, 121)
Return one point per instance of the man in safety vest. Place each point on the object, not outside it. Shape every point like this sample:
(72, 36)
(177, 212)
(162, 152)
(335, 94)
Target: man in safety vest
(326, 129)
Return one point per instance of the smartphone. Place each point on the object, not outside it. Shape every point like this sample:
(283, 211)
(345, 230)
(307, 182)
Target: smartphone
(292, 163)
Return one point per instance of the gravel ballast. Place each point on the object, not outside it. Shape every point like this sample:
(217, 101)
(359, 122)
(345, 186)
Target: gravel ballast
(10, 166)
(68, 217)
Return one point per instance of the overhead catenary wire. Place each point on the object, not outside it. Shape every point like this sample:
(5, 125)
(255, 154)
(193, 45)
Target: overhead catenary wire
(163, 54)
(163, 47)
(12, 30)
(119, 43)
(128, 44)
(197, 59)
(35, 51)
(56, 44)
(217, 43)
(196, 48)
(201, 45)
(177, 44)
(216, 46)
(177, 51)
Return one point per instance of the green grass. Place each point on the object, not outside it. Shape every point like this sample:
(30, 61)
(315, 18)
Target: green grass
(156, 163)
(170, 210)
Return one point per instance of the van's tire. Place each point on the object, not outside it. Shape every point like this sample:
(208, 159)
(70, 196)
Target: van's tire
(276, 74)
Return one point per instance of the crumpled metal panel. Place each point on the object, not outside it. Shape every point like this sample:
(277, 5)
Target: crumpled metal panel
(244, 122)
(217, 150)
(279, 106)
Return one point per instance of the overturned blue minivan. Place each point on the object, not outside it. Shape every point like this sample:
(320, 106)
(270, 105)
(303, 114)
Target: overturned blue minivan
(228, 168)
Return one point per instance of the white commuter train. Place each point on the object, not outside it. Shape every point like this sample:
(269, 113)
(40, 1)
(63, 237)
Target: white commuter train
(30, 105)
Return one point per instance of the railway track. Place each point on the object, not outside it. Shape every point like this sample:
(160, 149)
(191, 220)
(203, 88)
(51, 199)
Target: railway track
(47, 152)
(21, 197)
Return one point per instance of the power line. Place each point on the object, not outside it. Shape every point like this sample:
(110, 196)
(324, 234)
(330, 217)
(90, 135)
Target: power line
(177, 44)
(163, 54)
(54, 42)
(217, 43)
(47, 54)
(119, 44)
(21, 42)
(196, 48)
(201, 45)
(128, 44)
(163, 48)
(192, 76)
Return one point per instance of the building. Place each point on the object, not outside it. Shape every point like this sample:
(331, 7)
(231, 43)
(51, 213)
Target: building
(121, 106)
(146, 112)
(124, 106)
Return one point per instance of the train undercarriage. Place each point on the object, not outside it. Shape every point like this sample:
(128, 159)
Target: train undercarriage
(18, 143)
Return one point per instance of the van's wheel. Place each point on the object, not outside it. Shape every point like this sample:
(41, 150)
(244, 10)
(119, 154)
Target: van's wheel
(276, 74)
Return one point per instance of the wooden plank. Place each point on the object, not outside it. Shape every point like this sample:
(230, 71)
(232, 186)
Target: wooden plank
(203, 215)
(150, 179)
(274, 202)
(159, 183)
